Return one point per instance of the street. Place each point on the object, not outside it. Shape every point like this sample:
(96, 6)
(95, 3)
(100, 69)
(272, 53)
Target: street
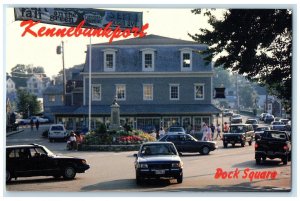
(114, 171)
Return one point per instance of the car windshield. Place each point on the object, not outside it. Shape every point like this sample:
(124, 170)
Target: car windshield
(57, 128)
(175, 129)
(277, 123)
(237, 129)
(262, 129)
(158, 149)
(280, 136)
(49, 153)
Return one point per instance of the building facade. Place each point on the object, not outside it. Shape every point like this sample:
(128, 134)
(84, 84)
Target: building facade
(37, 83)
(157, 81)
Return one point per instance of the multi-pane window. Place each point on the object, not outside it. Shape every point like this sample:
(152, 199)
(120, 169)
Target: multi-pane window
(148, 59)
(96, 92)
(186, 59)
(148, 91)
(121, 91)
(174, 91)
(199, 91)
(51, 98)
(109, 59)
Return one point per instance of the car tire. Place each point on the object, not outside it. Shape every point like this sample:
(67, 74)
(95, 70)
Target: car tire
(205, 150)
(179, 179)
(258, 161)
(285, 160)
(69, 172)
(8, 176)
(138, 180)
(225, 145)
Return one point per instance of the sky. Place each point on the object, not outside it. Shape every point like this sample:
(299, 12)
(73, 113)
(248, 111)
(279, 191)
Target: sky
(28, 50)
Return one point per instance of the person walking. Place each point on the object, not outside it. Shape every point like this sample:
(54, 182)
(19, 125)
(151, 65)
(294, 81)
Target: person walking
(161, 133)
(213, 128)
(226, 128)
(37, 124)
(209, 134)
(204, 131)
(31, 124)
(218, 132)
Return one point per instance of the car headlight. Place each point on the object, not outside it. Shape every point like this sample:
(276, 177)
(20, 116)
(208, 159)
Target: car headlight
(177, 165)
(83, 161)
(143, 165)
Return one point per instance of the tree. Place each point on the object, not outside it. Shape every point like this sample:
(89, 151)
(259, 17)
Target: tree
(222, 77)
(27, 103)
(256, 43)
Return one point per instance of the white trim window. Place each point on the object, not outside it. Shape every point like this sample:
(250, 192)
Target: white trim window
(147, 91)
(121, 91)
(96, 92)
(186, 59)
(148, 59)
(174, 91)
(199, 91)
(109, 58)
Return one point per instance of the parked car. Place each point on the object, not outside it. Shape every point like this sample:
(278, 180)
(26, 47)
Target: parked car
(239, 133)
(288, 126)
(37, 160)
(262, 116)
(285, 121)
(253, 122)
(156, 160)
(278, 125)
(40, 119)
(273, 144)
(227, 112)
(22, 121)
(259, 130)
(175, 130)
(187, 143)
(57, 132)
(236, 119)
(269, 118)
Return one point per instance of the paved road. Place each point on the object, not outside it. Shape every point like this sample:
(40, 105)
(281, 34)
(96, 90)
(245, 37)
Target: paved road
(114, 172)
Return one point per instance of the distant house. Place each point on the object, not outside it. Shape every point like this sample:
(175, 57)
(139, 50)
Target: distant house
(11, 92)
(157, 81)
(37, 83)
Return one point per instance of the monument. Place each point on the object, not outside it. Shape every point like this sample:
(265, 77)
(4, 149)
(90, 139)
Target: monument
(115, 115)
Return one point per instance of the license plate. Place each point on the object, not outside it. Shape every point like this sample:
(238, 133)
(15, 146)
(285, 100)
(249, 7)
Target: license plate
(159, 172)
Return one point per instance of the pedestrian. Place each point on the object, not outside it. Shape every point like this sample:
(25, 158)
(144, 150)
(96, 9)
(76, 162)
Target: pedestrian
(37, 124)
(31, 124)
(72, 142)
(209, 134)
(161, 132)
(204, 132)
(226, 128)
(218, 132)
(213, 128)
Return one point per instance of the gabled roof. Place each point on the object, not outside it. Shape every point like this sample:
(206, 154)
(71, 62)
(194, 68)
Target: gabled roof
(150, 40)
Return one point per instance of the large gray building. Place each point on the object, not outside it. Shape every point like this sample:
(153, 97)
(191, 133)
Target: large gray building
(157, 81)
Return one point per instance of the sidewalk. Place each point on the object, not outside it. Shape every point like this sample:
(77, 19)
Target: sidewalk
(14, 132)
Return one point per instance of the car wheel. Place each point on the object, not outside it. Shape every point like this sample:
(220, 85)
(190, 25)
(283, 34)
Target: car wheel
(285, 160)
(8, 176)
(205, 150)
(180, 179)
(258, 160)
(138, 180)
(69, 172)
(225, 145)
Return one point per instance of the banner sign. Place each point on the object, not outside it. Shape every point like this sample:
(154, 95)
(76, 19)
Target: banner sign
(72, 17)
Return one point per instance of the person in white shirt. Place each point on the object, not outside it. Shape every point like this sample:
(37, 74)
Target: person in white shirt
(161, 132)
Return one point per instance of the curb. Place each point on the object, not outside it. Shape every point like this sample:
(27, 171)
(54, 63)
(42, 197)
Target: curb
(15, 132)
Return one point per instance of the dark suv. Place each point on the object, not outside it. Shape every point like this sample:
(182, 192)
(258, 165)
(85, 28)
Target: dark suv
(239, 133)
(37, 160)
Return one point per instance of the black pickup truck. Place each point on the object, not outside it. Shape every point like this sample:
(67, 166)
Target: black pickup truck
(239, 134)
(273, 144)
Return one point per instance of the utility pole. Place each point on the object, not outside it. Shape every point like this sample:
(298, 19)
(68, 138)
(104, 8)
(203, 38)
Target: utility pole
(61, 50)
(237, 95)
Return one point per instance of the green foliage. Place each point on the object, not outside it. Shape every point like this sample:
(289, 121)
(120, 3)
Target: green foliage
(27, 103)
(256, 43)
(101, 129)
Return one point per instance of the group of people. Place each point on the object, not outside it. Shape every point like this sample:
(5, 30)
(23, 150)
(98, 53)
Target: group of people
(209, 131)
(37, 124)
(74, 140)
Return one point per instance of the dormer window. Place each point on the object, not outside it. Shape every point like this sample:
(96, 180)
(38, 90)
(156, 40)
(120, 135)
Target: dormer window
(109, 59)
(148, 59)
(186, 59)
